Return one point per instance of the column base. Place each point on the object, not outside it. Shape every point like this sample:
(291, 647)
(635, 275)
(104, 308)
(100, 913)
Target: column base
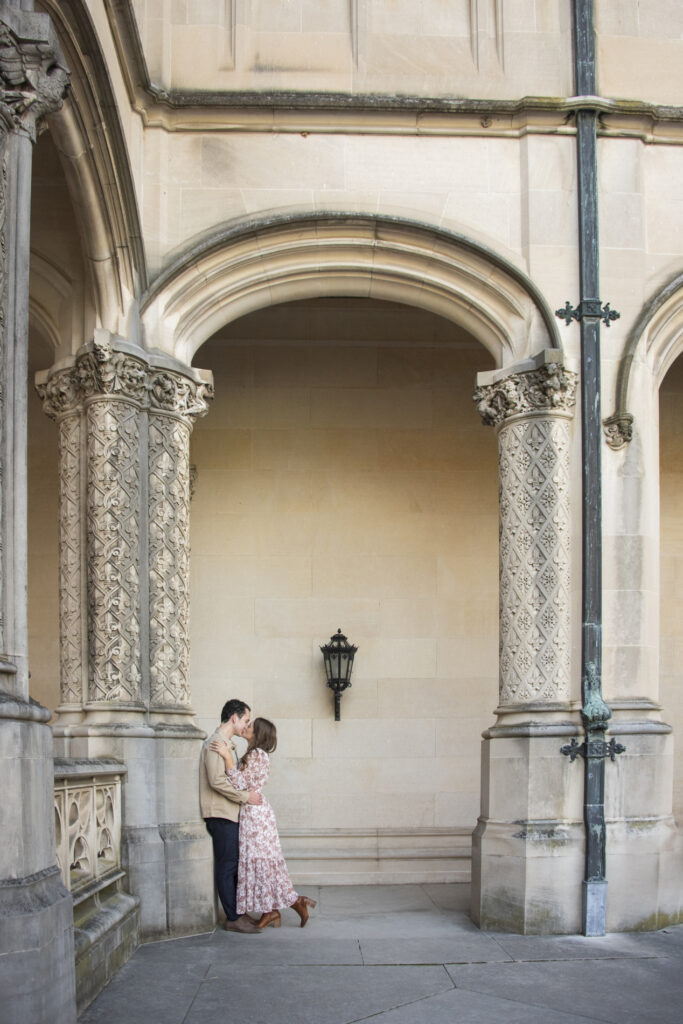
(528, 847)
(526, 877)
(36, 935)
(37, 977)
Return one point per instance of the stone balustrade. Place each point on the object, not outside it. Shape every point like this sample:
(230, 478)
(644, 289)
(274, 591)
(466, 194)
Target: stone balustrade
(87, 821)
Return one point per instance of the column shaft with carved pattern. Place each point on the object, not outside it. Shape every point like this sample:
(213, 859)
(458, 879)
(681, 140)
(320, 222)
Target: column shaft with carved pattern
(115, 393)
(62, 402)
(528, 812)
(535, 570)
(174, 404)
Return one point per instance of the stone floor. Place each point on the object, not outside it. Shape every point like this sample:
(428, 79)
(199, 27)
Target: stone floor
(400, 954)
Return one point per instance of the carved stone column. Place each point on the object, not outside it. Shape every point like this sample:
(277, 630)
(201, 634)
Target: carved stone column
(528, 840)
(531, 412)
(36, 965)
(125, 417)
(175, 402)
(114, 389)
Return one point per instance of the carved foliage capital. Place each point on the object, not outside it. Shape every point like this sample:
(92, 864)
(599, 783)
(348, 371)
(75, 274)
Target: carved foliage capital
(550, 387)
(172, 392)
(60, 394)
(33, 79)
(105, 372)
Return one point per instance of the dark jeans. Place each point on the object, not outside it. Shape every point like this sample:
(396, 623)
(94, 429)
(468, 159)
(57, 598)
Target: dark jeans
(226, 848)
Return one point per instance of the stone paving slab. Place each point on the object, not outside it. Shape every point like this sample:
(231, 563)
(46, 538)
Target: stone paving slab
(461, 1007)
(305, 995)
(623, 991)
(579, 947)
(458, 948)
(397, 955)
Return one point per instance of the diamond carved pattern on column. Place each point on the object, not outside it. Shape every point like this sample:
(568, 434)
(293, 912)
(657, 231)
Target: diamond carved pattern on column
(169, 560)
(113, 551)
(175, 402)
(70, 560)
(534, 560)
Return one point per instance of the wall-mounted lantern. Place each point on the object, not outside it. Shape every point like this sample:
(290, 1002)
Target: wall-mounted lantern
(338, 655)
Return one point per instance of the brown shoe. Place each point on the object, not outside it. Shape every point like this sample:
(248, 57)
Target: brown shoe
(272, 918)
(301, 906)
(242, 924)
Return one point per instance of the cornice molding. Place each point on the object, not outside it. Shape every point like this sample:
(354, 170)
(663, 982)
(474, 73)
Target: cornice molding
(370, 113)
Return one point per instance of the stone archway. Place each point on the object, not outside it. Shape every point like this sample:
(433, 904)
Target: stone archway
(248, 266)
(529, 400)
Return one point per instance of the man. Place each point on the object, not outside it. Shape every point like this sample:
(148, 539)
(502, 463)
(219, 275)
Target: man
(220, 806)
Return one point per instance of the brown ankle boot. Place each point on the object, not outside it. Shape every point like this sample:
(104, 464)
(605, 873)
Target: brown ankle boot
(271, 918)
(301, 906)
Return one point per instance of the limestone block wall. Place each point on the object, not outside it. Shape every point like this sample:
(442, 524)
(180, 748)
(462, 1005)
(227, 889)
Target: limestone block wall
(635, 58)
(344, 479)
(368, 46)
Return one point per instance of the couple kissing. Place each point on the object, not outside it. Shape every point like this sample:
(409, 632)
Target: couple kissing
(249, 868)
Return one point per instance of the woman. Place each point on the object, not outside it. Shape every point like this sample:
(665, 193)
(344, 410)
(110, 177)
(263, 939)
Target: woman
(263, 882)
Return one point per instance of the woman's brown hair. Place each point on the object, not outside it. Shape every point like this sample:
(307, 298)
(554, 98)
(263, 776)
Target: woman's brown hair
(264, 737)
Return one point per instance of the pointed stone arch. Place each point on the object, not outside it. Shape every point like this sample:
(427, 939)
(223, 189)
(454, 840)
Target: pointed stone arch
(653, 343)
(245, 267)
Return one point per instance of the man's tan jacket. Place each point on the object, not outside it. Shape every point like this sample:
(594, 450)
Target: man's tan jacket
(217, 797)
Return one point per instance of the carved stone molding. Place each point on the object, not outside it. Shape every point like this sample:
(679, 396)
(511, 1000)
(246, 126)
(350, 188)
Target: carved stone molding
(535, 527)
(33, 77)
(618, 430)
(549, 387)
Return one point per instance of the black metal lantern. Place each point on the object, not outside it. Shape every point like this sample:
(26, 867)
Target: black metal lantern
(338, 655)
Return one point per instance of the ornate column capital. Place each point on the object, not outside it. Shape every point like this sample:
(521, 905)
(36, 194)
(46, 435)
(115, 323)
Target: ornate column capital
(104, 370)
(545, 388)
(175, 393)
(59, 392)
(33, 76)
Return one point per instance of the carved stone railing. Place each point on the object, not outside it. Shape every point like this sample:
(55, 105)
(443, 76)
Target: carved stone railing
(88, 821)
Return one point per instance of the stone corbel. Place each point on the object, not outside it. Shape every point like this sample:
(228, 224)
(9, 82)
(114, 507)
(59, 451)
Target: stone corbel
(618, 430)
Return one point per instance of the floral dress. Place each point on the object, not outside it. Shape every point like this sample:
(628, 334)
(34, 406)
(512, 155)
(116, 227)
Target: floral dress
(263, 882)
